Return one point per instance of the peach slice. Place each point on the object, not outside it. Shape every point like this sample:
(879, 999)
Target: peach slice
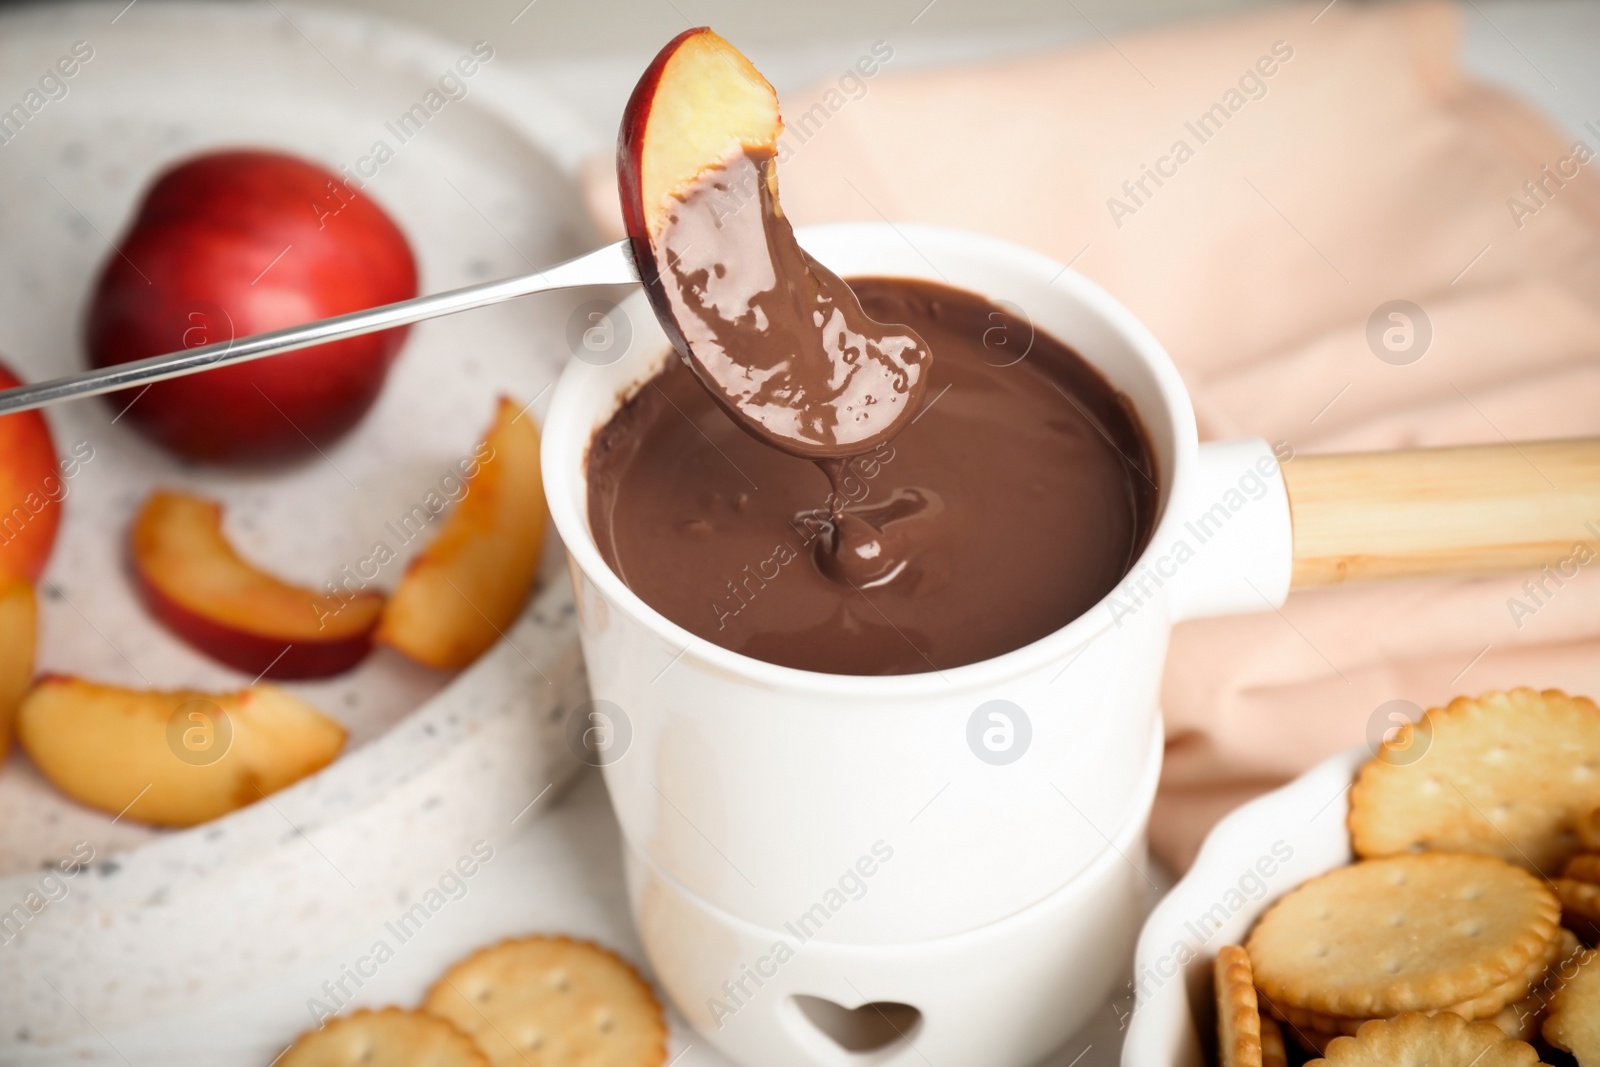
(778, 340)
(174, 758)
(462, 592)
(699, 103)
(18, 635)
(192, 580)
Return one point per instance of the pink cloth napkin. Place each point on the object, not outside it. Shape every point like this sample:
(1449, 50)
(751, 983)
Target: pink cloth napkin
(1330, 164)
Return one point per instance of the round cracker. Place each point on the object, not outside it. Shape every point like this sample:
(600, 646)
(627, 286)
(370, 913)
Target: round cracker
(552, 1001)
(1580, 906)
(1274, 1053)
(1588, 829)
(1407, 933)
(1573, 1023)
(1581, 899)
(1316, 1022)
(1312, 1041)
(1496, 1000)
(1415, 1040)
(1490, 1005)
(391, 1037)
(1522, 1019)
(1238, 1015)
(1504, 774)
(1584, 867)
(1543, 988)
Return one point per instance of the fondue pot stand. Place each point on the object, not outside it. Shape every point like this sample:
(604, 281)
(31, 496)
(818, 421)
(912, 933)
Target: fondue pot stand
(947, 867)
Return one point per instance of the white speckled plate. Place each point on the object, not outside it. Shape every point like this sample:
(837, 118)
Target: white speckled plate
(434, 761)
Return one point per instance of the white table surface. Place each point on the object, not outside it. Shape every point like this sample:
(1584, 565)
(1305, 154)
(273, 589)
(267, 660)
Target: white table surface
(1544, 51)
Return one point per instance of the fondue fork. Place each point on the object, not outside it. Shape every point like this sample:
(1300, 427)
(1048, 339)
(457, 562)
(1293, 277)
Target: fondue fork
(611, 265)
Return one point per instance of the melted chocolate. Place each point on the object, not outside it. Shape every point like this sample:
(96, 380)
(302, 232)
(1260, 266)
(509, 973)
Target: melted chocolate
(1011, 502)
(778, 339)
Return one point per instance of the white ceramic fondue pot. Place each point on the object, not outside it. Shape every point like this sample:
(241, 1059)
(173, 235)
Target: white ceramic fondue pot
(946, 867)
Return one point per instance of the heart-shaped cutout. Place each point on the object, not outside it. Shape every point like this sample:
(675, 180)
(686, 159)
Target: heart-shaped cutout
(871, 1027)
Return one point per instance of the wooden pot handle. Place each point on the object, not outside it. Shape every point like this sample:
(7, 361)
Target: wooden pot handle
(1443, 511)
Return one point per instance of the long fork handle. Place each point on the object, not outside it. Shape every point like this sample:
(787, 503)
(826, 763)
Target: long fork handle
(610, 265)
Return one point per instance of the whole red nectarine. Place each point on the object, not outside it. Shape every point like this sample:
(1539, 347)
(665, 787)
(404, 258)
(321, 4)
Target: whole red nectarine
(31, 491)
(235, 243)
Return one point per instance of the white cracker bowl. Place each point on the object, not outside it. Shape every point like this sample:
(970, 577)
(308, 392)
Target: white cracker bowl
(1250, 859)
